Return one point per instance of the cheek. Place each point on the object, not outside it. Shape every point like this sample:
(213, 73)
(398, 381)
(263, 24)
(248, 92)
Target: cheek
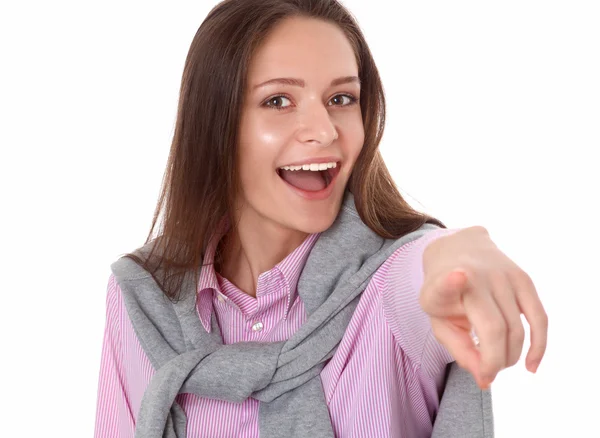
(254, 164)
(356, 138)
(257, 156)
(262, 138)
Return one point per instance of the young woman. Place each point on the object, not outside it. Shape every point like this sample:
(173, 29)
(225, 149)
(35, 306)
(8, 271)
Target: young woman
(275, 189)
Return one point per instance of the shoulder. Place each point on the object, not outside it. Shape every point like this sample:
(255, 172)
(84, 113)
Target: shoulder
(399, 281)
(114, 300)
(122, 327)
(116, 311)
(405, 265)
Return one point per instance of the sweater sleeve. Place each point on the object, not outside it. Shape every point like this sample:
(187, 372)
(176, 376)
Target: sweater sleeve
(409, 323)
(113, 413)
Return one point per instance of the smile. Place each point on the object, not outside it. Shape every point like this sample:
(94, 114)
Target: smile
(311, 180)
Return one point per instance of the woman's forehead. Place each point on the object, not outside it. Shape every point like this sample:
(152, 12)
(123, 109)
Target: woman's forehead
(303, 49)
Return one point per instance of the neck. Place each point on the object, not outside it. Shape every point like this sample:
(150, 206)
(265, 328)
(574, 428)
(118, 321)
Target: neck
(253, 246)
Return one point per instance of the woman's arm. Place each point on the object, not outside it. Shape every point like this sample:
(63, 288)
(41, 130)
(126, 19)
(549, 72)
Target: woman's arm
(408, 322)
(113, 412)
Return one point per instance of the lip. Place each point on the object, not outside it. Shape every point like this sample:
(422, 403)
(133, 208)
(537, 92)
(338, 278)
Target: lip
(315, 196)
(314, 160)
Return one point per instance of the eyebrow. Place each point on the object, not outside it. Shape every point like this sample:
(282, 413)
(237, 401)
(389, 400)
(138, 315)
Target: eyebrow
(300, 83)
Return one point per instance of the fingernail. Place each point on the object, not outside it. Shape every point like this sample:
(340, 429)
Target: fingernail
(533, 366)
(487, 378)
(485, 382)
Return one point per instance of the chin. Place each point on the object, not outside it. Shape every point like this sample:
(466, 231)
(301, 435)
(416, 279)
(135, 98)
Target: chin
(317, 219)
(313, 223)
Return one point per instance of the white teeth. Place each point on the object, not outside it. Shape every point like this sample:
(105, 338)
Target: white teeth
(311, 166)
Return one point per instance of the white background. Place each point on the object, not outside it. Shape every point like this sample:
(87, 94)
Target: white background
(493, 120)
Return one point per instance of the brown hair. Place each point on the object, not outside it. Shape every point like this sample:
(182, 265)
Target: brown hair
(201, 180)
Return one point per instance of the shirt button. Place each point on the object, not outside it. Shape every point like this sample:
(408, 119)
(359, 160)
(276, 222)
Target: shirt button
(220, 298)
(257, 327)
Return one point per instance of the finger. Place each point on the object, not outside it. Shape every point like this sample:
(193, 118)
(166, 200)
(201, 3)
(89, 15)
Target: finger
(457, 340)
(442, 297)
(505, 297)
(531, 306)
(485, 315)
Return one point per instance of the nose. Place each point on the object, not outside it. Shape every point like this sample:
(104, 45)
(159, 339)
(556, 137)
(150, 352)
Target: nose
(317, 126)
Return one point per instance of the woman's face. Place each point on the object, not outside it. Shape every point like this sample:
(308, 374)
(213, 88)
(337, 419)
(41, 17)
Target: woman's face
(286, 124)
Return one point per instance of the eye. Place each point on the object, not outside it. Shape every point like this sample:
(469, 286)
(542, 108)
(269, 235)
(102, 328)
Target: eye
(274, 99)
(351, 100)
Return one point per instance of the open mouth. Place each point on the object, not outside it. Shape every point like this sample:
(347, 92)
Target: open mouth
(309, 180)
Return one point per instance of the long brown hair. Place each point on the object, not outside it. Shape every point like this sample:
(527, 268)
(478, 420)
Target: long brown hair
(201, 180)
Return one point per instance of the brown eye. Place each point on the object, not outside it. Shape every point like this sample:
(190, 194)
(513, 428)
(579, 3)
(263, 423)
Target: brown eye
(340, 97)
(276, 99)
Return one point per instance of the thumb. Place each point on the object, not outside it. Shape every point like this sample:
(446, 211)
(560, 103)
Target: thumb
(442, 296)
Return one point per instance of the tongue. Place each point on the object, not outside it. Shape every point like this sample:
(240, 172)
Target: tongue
(304, 179)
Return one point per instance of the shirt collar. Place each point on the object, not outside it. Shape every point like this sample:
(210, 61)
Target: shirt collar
(208, 284)
(291, 267)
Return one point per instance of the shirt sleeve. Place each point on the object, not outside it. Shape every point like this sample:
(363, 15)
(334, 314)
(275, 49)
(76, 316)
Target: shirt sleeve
(409, 323)
(113, 412)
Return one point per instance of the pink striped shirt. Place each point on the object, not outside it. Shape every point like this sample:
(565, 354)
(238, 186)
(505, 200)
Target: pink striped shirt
(385, 379)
